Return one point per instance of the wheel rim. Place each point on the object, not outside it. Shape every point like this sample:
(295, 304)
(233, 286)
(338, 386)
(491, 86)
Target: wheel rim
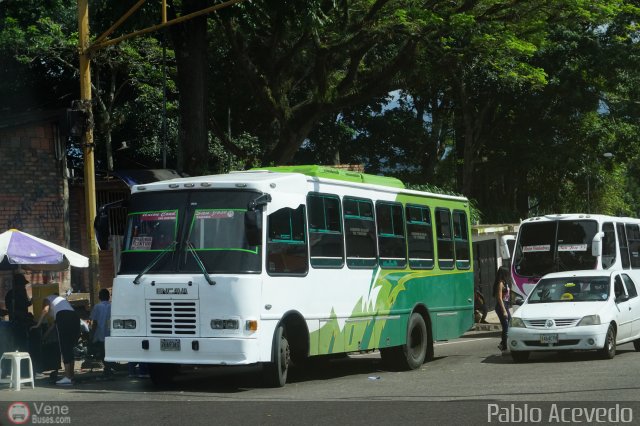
(610, 341)
(285, 355)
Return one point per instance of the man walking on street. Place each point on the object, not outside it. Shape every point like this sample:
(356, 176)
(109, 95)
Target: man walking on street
(100, 318)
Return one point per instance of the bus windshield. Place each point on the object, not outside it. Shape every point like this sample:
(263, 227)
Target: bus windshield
(211, 223)
(554, 246)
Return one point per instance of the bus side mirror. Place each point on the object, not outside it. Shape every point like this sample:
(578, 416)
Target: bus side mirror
(253, 227)
(101, 222)
(101, 226)
(596, 244)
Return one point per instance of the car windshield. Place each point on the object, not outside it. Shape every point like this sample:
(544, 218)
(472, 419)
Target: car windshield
(570, 289)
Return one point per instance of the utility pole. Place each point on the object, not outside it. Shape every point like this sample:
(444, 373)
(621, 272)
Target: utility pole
(88, 148)
(85, 49)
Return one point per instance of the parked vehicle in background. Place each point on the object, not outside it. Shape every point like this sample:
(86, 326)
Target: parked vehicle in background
(568, 242)
(583, 310)
(279, 265)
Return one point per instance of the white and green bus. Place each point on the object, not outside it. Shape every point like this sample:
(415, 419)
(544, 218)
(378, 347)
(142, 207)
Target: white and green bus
(283, 264)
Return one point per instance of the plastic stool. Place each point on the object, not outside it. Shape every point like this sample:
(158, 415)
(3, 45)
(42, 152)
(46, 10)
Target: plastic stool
(16, 358)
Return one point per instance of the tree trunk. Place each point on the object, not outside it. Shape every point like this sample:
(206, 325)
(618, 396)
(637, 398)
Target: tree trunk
(190, 44)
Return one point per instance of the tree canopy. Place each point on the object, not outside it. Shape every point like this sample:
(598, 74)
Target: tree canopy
(512, 103)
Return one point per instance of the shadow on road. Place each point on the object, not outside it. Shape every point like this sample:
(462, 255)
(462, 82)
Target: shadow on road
(552, 357)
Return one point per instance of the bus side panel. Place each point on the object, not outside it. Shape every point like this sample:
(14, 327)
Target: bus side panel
(447, 296)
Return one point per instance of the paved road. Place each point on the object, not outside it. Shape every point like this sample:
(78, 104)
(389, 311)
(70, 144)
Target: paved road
(468, 374)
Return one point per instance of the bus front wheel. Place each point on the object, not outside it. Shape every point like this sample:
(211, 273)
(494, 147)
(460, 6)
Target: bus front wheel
(275, 372)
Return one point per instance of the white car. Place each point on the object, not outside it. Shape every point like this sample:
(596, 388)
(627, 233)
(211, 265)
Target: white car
(578, 310)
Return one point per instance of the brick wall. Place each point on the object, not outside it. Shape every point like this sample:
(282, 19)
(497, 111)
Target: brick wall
(33, 192)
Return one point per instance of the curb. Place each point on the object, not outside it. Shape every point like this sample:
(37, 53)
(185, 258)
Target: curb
(486, 327)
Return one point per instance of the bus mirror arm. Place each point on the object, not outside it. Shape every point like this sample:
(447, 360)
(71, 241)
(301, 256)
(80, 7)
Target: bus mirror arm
(596, 244)
(262, 200)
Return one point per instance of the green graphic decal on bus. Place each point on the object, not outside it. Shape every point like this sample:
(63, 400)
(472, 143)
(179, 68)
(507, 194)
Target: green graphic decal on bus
(382, 322)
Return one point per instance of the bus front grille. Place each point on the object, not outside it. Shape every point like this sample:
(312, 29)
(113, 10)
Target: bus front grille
(173, 317)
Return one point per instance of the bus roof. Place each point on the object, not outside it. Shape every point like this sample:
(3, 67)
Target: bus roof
(337, 174)
(293, 177)
(577, 216)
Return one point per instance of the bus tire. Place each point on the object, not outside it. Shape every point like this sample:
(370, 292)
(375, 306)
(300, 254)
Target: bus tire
(415, 349)
(413, 353)
(163, 374)
(274, 374)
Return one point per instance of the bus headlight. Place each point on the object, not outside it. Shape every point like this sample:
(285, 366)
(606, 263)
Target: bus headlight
(590, 320)
(127, 324)
(517, 322)
(225, 324)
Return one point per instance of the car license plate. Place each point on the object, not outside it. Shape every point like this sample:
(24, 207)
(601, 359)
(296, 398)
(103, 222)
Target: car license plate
(548, 338)
(169, 344)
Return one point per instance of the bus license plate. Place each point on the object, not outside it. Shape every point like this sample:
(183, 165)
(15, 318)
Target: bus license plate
(548, 338)
(169, 344)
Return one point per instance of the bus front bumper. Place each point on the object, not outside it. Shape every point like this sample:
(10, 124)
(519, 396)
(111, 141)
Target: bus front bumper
(205, 351)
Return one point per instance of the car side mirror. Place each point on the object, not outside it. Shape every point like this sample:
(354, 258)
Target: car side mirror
(519, 301)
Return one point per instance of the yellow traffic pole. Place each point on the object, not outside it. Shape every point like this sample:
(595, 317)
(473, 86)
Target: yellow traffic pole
(88, 147)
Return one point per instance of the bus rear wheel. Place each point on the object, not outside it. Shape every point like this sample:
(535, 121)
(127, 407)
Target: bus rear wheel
(274, 374)
(413, 353)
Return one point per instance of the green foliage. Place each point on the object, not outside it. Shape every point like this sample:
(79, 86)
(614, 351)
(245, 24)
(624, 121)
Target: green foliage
(512, 103)
(475, 213)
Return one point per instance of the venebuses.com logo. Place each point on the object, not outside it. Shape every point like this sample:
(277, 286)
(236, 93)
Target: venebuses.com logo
(18, 413)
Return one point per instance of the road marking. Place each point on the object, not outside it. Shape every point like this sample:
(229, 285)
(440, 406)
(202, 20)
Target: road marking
(464, 341)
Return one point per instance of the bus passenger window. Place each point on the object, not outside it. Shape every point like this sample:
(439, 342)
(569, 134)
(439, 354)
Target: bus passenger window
(608, 246)
(419, 237)
(461, 238)
(359, 226)
(325, 231)
(391, 239)
(286, 242)
(445, 239)
(633, 239)
(624, 249)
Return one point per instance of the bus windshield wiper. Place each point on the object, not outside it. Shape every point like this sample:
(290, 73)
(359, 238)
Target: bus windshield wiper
(192, 249)
(169, 248)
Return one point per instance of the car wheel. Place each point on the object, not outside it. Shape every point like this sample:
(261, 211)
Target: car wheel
(636, 345)
(520, 356)
(609, 349)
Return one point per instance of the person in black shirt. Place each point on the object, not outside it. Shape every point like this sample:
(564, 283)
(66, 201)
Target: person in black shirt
(17, 303)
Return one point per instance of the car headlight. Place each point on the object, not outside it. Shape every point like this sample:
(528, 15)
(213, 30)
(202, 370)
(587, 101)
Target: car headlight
(590, 320)
(517, 322)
